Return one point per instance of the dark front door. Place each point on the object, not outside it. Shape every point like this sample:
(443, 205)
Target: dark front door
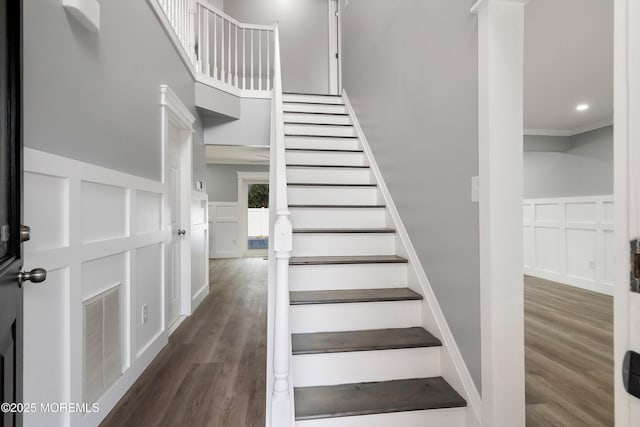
(10, 209)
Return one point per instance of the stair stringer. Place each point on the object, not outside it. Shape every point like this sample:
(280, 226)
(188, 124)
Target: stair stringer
(454, 369)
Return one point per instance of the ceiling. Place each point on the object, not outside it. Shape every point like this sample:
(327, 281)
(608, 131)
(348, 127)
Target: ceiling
(568, 60)
(237, 154)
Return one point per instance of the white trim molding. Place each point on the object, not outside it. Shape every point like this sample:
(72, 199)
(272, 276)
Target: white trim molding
(454, 369)
(225, 87)
(568, 132)
(169, 99)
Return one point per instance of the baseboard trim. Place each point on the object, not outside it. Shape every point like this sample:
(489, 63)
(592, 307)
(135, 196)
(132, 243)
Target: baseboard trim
(111, 398)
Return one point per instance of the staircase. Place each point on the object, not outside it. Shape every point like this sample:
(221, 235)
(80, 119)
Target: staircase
(360, 354)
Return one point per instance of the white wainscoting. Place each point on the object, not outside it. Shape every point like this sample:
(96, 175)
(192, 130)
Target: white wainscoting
(224, 225)
(199, 248)
(570, 240)
(92, 228)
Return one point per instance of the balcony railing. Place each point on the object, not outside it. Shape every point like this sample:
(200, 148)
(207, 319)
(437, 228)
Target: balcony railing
(223, 52)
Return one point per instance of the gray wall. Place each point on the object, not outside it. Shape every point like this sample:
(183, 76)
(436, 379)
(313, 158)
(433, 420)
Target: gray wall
(583, 168)
(253, 127)
(410, 70)
(304, 38)
(222, 180)
(95, 97)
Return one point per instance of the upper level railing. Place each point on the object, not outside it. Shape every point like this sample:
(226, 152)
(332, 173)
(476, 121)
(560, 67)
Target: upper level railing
(281, 399)
(225, 53)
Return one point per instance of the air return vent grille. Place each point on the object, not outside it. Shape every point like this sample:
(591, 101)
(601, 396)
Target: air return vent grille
(102, 346)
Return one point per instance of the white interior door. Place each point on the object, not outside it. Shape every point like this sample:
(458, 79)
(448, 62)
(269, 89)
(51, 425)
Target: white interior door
(334, 47)
(627, 197)
(174, 222)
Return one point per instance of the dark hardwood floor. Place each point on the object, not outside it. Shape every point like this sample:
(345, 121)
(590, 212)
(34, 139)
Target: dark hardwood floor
(568, 356)
(212, 372)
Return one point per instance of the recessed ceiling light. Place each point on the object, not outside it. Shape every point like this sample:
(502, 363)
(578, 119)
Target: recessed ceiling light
(582, 107)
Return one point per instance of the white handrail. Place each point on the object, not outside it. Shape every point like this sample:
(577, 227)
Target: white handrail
(281, 403)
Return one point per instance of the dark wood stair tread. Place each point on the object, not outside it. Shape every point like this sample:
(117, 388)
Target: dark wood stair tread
(336, 206)
(375, 398)
(311, 94)
(328, 166)
(371, 259)
(310, 103)
(318, 124)
(316, 112)
(319, 136)
(343, 230)
(330, 150)
(375, 339)
(343, 296)
(322, 184)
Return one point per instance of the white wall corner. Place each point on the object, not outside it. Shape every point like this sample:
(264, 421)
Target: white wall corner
(87, 12)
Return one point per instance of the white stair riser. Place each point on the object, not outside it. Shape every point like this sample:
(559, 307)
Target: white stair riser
(337, 218)
(326, 119)
(329, 175)
(332, 196)
(454, 417)
(289, 97)
(314, 108)
(343, 244)
(297, 129)
(365, 366)
(321, 143)
(325, 158)
(347, 276)
(354, 316)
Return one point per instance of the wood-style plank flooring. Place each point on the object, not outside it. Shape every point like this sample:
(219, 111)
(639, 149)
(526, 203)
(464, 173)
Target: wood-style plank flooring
(568, 356)
(212, 372)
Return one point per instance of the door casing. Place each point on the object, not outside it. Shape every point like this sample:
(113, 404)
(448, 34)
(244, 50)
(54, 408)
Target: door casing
(174, 110)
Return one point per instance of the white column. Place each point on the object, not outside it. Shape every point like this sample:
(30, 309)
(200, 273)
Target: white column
(500, 128)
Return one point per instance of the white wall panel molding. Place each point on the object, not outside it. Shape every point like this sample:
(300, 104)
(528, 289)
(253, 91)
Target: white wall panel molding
(199, 248)
(93, 228)
(570, 240)
(224, 223)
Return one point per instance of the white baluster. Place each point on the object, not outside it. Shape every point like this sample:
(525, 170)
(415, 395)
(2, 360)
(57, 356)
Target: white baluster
(198, 38)
(192, 32)
(215, 46)
(230, 76)
(181, 22)
(259, 59)
(252, 59)
(268, 60)
(244, 58)
(205, 49)
(235, 69)
(223, 75)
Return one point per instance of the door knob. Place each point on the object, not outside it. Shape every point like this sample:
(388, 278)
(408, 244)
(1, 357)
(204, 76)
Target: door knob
(36, 275)
(182, 232)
